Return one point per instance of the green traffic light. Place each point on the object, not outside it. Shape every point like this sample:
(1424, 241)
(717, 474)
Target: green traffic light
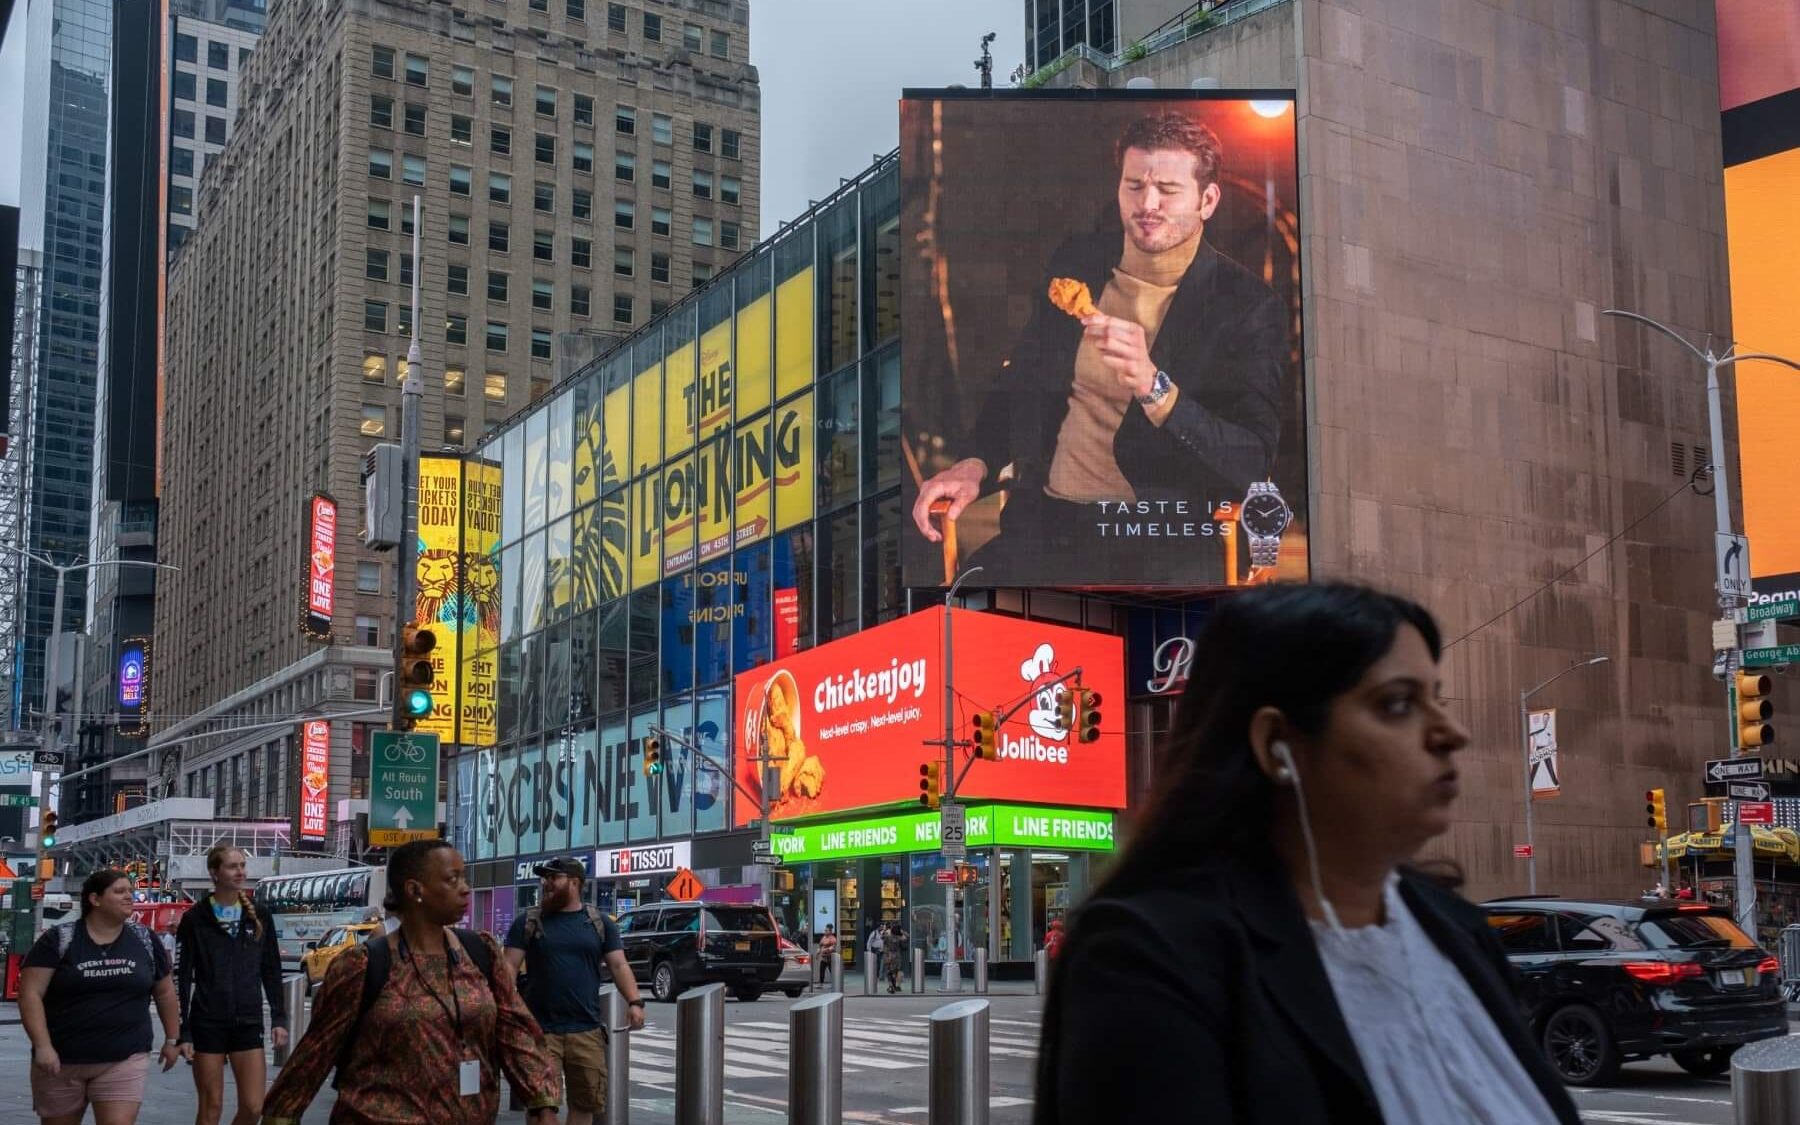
(418, 703)
(49, 841)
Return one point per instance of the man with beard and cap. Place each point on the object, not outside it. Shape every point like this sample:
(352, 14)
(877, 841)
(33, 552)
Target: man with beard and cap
(572, 948)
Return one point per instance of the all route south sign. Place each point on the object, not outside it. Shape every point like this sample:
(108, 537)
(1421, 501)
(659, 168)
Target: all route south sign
(403, 787)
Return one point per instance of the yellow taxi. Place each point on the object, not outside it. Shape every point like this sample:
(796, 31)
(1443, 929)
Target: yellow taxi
(319, 954)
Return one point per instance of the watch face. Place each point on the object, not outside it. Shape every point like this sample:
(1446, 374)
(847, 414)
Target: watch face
(1265, 515)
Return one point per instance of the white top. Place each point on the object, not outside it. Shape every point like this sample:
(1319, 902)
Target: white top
(1431, 1051)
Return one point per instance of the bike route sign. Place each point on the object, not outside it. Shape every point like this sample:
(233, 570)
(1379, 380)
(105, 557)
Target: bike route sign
(403, 787)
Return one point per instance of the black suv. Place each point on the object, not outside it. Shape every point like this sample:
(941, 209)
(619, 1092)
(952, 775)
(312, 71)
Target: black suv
(672, 945)
(1606, 982)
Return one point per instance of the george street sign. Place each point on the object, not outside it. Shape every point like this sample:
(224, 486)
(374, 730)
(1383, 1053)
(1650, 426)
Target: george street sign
(1734, 769)
(1774, 611)
(1779, 654)
(1748, 790)
(403, 787)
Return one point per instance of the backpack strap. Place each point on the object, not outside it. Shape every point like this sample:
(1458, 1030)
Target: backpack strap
(479, 953)
(534, 924)
(65, 938)
(599, 921)
(375, 976)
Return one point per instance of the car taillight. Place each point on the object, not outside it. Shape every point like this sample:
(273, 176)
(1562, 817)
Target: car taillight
(1662, 972)
(1769, 965)
(1694, 907)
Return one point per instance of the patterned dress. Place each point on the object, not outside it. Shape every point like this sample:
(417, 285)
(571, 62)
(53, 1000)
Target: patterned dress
(403, 1066)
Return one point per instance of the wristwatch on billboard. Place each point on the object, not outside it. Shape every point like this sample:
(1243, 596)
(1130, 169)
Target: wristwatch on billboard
(1159, 389)
(1264, 516)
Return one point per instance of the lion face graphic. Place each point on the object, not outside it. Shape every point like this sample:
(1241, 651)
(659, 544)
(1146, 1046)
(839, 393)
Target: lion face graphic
(437, 587)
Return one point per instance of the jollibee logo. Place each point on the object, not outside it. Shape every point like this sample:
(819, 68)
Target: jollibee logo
(1040, 672)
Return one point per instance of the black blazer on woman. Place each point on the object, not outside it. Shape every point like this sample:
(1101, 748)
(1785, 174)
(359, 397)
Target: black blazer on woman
(1204, 999)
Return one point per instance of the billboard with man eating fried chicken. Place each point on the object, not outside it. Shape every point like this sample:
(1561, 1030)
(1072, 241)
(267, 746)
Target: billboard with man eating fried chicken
(1100, 307)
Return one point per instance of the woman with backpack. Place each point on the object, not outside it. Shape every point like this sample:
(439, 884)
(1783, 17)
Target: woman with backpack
(419, 1022)
(229, 961)
(84, 999)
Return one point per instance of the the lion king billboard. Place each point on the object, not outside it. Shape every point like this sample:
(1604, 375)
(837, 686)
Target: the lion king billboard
(458, 595)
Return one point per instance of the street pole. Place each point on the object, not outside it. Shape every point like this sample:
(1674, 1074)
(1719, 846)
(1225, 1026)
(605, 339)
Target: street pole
(1525, 733)
(1729, 604)
(411, 391)
(950, 889)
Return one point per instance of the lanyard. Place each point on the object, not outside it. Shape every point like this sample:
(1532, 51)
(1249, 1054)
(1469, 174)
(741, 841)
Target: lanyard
(449, 977)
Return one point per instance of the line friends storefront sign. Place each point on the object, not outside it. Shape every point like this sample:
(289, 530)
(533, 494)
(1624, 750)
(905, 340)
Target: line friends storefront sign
(986, 826)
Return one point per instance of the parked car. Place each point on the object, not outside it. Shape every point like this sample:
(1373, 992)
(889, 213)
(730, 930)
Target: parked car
(1605, 983)
(671, 946)
(796, 969)
(320, 954)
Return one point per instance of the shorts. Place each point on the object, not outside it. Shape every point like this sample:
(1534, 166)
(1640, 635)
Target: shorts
(581, 1057)
(78, 1084)
(225, 1038)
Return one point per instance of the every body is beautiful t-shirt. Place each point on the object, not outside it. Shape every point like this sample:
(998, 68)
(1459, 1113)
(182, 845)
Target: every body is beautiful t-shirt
(98, 1003)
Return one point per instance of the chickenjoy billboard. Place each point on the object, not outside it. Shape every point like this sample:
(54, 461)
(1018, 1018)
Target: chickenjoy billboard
(848, 722)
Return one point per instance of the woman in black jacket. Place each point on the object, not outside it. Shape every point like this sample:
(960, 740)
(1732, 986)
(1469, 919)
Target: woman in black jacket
(1260, 953)
(229, 961)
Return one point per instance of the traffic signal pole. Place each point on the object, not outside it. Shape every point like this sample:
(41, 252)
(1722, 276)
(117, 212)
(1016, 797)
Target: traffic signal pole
(411, 391)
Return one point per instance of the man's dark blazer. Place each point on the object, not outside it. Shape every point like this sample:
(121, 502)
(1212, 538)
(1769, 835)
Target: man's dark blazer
(1204, 999)
(1224, 342)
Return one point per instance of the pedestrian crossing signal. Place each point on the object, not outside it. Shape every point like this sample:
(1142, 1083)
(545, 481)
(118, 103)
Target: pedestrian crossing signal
(931, 784)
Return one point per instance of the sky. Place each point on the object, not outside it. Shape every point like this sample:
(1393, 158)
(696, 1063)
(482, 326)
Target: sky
(12, 97)
(832, 72)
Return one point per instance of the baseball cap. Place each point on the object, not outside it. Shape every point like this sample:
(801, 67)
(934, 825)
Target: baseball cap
(566, 866)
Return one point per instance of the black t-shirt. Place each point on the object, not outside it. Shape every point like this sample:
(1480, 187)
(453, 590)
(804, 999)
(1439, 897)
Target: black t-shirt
(565, 968)
(98, 1003)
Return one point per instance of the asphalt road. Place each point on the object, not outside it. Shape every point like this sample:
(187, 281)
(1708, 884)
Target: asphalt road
(884, 1071)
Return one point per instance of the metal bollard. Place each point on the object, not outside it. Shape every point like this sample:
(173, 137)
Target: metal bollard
(293, 994)
(816, 1061)
(950, 977)
(1040, 970)
(1765, 1082)
(959, 1064)
(700, 1056)
(618, 1056)
(918, 971)
(981, 983)
(871, 963)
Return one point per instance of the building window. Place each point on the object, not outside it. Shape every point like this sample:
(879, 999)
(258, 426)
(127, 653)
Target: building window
(543, 197)
(187, 49)
(500, 140)
(545, 149)
(581, 253)
(721, 44)
(502, 87)
(703, 184)
(383, 62)
(540, 5)
(615, 17)
(703, 232)
(462, 130)
(539, 388)
(462, 80)
(693, 37)
(406, 219)
(624, 262)
(625, 121)
(381, 111)
(657, 308)
(580, 297)
(375, 264)
(661, 222)
(730, 234)
(181, 122)
(368, 632)
(458, 280)
(403, 320)
(730, 141)
(374, 420)
(584, 158)
(406, 268)
(659, 268)
(662, 129)
(374, 369)
(375, 316)
(218, 56)
(703, 273)
(499, 188)
(454, 379)
(540, 343)
(368, 576)
(624, 216)
(652, 27)
(497, 334)
(583, 207)
(181, 199)
(215, 92)
(498, 285)
(543, 295)
(543, 246)
(494, 386)
(731, 190)
(499, 237)
(181, 162)
(625, 168)
(660, 175)
(412, 170)
(622, 308)
(461, 180)
(453, 430)
(456, 329)
(184, 86)
(459, 230)
(215, 130)
(546, 101)
(380, 215)
(381, 164)
(584, 109)
(703, 137)
(417, 71)
(415, 119)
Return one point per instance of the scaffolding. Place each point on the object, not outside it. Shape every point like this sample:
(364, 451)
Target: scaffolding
(15, 491)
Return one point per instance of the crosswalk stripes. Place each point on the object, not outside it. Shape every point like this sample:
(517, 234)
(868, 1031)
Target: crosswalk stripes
(759, 1048)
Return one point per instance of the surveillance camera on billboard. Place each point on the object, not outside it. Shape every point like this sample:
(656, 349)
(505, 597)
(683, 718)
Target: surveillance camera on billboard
(1101, 358)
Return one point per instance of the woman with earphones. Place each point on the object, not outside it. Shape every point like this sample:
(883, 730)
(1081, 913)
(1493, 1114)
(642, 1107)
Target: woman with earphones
(1262, 952)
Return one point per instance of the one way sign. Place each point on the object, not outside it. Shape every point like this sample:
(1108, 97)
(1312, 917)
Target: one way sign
(1734, 769)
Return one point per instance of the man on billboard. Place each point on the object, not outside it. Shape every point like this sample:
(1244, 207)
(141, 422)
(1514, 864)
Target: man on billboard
(1143, 396)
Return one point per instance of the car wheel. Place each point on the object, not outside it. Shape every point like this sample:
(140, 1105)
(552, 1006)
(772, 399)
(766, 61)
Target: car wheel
(1707, 1063)
(663, 984)
(1580, 1047)
(747, 993)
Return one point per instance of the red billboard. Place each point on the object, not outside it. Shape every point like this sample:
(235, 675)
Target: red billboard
(315, 777)
(321, 566)
(850, 719)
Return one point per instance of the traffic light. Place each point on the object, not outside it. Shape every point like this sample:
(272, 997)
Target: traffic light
(1065, 706)
(414, 676)
(652, 757)
(1656, 811)
(987, 736)
(931, 784)
(1755, 710)
(1087, 717)
(47, 830)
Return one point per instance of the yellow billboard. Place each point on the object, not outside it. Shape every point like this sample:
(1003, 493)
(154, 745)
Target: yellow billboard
(477, 691)
(751, 393)
(791, 452)
(712, 395)
(678, 400)
(457, 596)
(794, 332)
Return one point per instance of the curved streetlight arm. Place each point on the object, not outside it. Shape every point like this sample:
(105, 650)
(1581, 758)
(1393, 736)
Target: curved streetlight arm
(1602, 659)
(1660, 327)
(1730, 359)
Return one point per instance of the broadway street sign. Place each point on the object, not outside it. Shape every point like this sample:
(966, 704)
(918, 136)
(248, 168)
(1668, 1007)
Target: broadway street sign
(403, 787)
(1734, 769)
(1774, 611)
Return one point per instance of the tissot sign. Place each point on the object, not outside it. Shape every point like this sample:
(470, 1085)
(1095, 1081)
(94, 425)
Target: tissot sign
(649, 859)
(852, 717)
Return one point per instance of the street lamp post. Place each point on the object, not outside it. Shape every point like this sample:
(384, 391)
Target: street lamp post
(1525, 734)
(1728, 603)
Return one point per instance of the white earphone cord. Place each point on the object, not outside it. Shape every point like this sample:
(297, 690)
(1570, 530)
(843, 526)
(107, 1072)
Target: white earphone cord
(1312, 851)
